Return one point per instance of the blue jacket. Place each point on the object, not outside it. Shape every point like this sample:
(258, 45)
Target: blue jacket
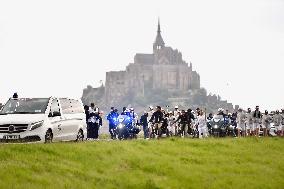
(112, 118)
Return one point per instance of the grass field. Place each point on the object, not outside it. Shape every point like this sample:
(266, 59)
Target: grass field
(168, 163)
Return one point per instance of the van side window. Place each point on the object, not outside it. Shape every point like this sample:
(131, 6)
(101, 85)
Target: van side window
(77, 107)
(66, 105)
(54, 108)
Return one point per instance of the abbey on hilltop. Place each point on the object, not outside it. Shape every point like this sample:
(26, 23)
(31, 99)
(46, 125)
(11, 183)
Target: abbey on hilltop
(163, 71)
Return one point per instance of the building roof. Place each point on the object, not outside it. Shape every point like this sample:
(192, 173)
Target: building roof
(144, 58)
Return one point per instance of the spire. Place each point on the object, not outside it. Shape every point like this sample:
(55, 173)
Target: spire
(159, 27)
(159, 42)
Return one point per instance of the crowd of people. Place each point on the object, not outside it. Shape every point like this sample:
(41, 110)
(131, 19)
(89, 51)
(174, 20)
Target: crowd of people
(159, 122)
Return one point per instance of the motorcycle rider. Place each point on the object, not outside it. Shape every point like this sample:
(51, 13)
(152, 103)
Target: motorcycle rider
(277, 119)
(241, 118)
(112, 118)
(156, 119)
(256, 120)
(124, 111)
(266, 119)
(202, 125)
(249, 122)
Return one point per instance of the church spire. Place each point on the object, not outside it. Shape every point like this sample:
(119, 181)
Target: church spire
(159, 42)
(159, 27)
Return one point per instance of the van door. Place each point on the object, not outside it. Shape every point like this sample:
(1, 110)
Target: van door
(69, 124)
(56, 120)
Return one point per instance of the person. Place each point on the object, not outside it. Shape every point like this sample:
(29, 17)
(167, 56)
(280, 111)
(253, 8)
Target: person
(277, 119)
(249, 122)
(93, 122)
(133, 117)
(176, 111)
(210, 116)
(198, 110)
(183, 122)
(98, 124)
(156, 119)
(15, 95)
(266, 119)
(144, 123)
(256, 121)
(125, 111)
(220, 112)
(171, 124)
(86, 108)
(282, 122)
(150, 126)
(241, 118)
(112, 118)
(190, 118)
(202, 125)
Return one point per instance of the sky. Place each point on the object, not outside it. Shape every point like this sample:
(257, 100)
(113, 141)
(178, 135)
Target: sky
(58, 47)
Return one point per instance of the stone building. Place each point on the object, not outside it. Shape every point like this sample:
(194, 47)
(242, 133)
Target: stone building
(163, 69)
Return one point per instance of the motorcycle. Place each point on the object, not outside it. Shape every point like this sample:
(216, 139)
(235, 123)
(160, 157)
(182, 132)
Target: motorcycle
(125, 128)
(272, 131)
(232, 128)
(218, 126)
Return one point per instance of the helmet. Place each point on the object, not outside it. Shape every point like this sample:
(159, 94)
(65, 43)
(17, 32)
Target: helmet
(176, 107)
(151, 107)
(220, 110)
(131, 109)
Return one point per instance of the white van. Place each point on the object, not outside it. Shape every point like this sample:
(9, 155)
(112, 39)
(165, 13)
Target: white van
(43, 120)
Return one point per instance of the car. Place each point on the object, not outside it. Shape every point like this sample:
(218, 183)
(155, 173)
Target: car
(42, 120)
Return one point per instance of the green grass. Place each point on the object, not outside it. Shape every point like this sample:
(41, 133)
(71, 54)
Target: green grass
(168, 163)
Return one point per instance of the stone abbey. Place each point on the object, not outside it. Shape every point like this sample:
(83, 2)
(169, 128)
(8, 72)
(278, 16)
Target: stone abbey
(163, 69)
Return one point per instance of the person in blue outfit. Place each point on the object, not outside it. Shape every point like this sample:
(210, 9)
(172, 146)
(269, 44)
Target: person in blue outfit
(112, 118)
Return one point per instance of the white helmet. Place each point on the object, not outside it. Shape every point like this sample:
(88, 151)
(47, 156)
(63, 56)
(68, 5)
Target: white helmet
(131, 109)
(176, 107)
(151, 107)
(220, 110)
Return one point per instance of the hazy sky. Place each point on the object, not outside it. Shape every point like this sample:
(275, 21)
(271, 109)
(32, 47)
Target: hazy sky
(58, 47)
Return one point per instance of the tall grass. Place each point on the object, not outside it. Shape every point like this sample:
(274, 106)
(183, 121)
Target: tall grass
(168, 163)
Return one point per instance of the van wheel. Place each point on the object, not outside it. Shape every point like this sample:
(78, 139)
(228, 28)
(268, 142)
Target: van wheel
(48, 136)
(80, 136)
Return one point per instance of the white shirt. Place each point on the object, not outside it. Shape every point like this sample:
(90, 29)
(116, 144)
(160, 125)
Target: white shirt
(201, 121)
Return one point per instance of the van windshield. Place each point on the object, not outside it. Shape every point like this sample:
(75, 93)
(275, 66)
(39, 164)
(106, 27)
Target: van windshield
(25, 106)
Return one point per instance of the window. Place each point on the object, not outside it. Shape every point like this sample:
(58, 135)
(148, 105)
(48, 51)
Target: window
(76, 107)
(54, 108)
(66, 105)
